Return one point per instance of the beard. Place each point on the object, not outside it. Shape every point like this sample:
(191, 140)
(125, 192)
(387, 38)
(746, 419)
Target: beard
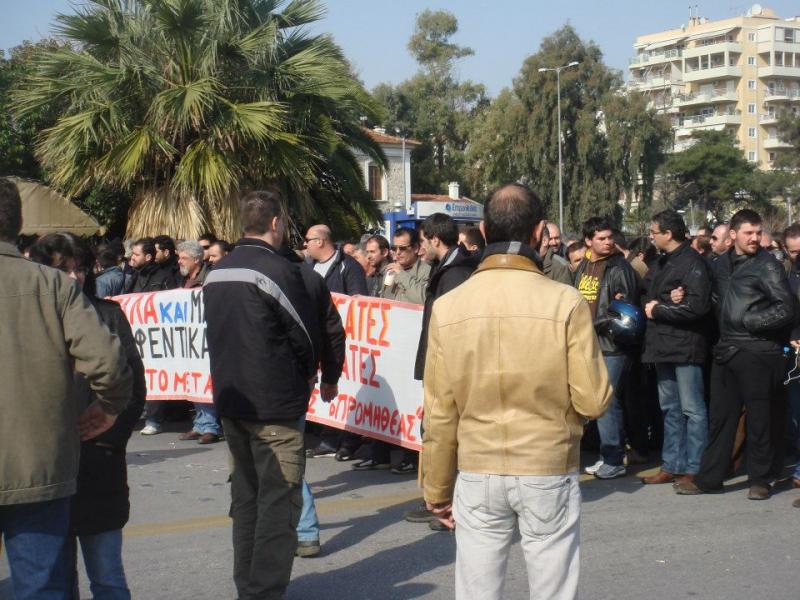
(184, 271)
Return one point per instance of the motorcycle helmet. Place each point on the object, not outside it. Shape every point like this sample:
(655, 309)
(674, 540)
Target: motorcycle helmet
(625, 324)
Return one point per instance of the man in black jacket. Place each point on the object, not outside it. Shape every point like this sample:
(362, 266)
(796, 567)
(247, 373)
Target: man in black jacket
(755, 310)
(148, 276)
(341, 272)
(676, 343)
(601, 277)
(265, 340)
(167, 256)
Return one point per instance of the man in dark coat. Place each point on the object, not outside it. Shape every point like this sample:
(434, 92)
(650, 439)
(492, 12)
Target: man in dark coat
(148, 275)
(676, 343)
(755, 311)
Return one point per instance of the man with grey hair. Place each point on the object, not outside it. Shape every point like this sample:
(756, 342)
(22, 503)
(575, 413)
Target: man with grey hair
(205, 428)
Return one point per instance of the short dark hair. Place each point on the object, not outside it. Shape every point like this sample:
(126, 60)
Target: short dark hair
(206, 237)
(511, 214)
(10, 210)
(382, 242)
(225, 246)
(107, 256)
(258, 209)
(53, 249)
(671, 220)
(574, 246)
(792, 231)
(413, 235)
(594, 224)
(164, 242)
(148, 246)
(474, 237)
(443, 227)
(746, 215)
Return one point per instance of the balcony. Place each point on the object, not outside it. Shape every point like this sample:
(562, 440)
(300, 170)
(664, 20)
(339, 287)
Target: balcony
(768, 119)
(715, 121)
(779, 71)
(709, 74)
(697, 98)
(775, 143)
(781, 95)
(722, 46)
(656, 57)
(651, 83)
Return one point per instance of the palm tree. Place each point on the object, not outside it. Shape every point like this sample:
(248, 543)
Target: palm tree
(187, 103)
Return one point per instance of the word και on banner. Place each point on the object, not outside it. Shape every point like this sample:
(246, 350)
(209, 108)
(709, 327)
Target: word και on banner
(378, 396)
(169, 329)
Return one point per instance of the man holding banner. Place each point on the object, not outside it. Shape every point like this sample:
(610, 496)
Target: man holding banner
(264, 340)
(502, 433)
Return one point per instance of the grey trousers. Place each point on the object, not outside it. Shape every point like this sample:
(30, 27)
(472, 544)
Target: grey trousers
(489, 508)
(268, 463)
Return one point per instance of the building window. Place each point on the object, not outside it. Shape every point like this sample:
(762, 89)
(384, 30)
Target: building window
(751, 37)
(751, 60)
(751, 156)
(375, 182)
(751, 132)
(751, 84)
(771, 157)
(751, 108)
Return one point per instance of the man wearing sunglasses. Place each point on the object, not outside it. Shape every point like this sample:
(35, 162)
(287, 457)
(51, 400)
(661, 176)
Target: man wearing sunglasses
(409, 275)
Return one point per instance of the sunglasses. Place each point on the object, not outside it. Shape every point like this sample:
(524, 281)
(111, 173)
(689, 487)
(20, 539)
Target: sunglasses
(306, 240)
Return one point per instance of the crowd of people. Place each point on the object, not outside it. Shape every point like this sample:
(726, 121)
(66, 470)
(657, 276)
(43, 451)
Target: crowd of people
(671, 343)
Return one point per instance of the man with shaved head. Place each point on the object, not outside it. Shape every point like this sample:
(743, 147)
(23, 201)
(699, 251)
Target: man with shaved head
(720, 239)
(341, 272)
(343, 275)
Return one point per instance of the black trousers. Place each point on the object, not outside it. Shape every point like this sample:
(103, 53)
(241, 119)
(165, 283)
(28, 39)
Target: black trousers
(754, 381)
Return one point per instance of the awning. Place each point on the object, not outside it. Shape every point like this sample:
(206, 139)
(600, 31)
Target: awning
(710, 34)
(46, 211)
(665, 43)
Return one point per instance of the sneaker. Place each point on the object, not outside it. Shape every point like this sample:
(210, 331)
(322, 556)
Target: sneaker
(592, 469)
(320, 451)
(404, 468)
(307, 549)
(150, 430)
(343, 455)
(610, 471)
(420, 515)
(370, 465)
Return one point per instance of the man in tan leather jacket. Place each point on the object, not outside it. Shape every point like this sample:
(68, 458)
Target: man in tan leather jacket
(504, 411)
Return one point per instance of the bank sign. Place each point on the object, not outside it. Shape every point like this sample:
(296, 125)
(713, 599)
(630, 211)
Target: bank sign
(470, 211)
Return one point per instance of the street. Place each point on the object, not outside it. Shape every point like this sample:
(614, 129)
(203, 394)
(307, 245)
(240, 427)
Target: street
(637, 541)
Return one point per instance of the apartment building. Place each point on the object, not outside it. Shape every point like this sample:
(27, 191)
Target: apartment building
(736, 75)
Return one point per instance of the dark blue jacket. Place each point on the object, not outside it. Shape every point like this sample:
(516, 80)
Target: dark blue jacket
(346, 276)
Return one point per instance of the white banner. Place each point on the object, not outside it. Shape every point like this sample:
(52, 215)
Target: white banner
(378, 396)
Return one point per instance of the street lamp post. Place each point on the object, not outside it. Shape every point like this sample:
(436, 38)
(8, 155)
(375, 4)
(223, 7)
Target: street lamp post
(560, 168)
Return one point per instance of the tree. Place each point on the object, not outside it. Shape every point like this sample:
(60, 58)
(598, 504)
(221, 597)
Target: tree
(187, 103)
(434, 107)
(612, 143)
(715, 171)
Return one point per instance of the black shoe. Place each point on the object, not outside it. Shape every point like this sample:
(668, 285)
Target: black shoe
(404, 468)
(419, 515)
(437, 525)
(307, 549)
(343, 455)
(319, 451)
(370, 465)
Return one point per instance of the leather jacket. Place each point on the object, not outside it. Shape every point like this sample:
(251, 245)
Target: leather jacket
(754, 306)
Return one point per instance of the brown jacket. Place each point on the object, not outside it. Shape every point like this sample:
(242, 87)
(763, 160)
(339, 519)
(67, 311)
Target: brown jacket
(47, 329)
(512, 370)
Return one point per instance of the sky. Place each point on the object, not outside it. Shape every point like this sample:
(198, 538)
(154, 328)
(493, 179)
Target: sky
(374, 33)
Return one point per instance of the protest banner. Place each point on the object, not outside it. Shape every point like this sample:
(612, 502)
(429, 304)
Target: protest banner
(378, 396)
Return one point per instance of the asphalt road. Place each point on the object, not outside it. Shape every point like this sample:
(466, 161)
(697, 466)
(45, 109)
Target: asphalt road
(637, 541)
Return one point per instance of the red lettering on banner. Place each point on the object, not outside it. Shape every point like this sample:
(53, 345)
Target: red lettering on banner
(208, 390)
(385, 308)
(150, 374)
(374, 353)
(370, 324)
(149, 310)
(312, 401)
(362, 304)
(181, 380)
(163, 381)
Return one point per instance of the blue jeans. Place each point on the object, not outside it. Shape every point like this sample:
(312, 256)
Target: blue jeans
(205, 419)
(308, 526)
(680, 393)
(36, 541)
(793, 393)
(611, 426)
(102, 555)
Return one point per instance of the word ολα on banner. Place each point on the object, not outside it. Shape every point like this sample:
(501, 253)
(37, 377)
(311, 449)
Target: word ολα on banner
(378, 396)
